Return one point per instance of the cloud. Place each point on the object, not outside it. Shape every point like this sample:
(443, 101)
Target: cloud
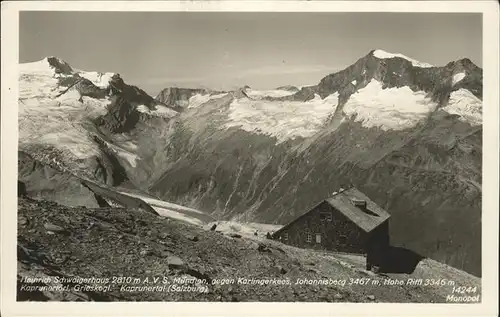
(164, 80)
(287, 69)
(227, 79)
(244, 73)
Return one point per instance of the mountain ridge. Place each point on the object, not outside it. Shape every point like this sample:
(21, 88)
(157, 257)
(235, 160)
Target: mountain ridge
(437, 131)
(382, 124)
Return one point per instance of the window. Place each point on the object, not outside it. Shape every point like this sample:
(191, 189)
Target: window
(318, 238)
(285, 236)
(342, 239)
(309, 236)
(325, 216)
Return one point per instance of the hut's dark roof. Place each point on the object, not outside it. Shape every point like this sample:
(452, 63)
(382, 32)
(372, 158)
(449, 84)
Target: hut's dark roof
(367, 219)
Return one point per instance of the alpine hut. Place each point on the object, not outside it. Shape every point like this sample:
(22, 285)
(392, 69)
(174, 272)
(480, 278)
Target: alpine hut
(348, 221)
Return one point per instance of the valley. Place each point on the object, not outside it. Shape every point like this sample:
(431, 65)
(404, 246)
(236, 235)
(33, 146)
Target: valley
(108, 162)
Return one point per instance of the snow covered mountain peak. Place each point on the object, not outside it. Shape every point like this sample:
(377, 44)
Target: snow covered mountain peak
(53, 66)
(381, 54)
(63, 111)
(48, 65)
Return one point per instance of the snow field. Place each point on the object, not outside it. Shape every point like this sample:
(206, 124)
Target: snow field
(386, 55)
(198, 99)
(388, 109)
(457, 78)
(46, 118)
(463, 103)
(101, 80)
(160, 111)
(174, 211)
(275, 93)
(281, 119)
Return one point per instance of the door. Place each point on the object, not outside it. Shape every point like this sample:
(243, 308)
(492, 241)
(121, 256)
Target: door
(318, 238)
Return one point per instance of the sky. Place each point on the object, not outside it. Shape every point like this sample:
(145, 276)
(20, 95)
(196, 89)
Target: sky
(154, 50)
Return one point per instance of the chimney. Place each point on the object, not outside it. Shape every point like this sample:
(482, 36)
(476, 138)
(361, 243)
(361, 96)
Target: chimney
(359, 203)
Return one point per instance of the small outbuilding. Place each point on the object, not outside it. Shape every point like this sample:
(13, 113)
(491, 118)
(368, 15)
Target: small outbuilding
(348, 221)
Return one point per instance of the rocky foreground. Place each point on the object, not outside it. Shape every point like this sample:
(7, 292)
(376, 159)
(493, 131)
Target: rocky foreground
(118, 254)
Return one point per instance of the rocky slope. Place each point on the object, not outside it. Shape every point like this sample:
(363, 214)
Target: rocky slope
(408, 134)
(42, 181)
(47, 182)
(67, 247)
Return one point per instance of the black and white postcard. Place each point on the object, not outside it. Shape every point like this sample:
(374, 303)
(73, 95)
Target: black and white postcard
(249, 158)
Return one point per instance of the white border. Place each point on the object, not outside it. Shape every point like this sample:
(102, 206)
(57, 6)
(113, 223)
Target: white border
(9, 60)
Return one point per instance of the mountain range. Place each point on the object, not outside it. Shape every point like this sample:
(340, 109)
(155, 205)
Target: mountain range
(406, 133)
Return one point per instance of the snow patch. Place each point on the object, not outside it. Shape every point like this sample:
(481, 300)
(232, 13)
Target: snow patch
(101, 80)
(388, 109)
(463, 103)
(162, 203)
(70, 140)
(174, 211)
(143, 109)
(456, 78)
(39, 67)
(130, 157)
(70, 96)
(160, 111)
(275, 93)
(46, 117)
(44, 67)
(164, 111)
(245, 229)
(354, 82)
(281, 119)
(305, 86)
(37, 80)
(197, 100)
(168, 213)
(386, 55)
